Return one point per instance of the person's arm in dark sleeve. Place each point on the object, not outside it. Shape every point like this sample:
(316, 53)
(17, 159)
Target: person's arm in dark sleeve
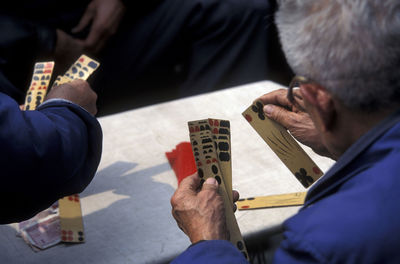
(45, 155)
(210, 252)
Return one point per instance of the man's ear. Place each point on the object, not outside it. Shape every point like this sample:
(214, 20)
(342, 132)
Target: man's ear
(319, 101)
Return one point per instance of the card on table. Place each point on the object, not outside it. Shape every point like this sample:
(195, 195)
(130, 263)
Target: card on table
(71, 219)
(284, 145)
(288, 199)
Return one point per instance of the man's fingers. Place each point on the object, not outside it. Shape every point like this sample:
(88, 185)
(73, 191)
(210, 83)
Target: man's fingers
(299, 99)
(280, 115)
(235, 196)
(85, 20)
(210, 184)
(191, 182)
(277, 97)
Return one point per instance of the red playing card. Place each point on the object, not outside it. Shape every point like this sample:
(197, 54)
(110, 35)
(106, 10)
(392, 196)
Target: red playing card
(182, 161)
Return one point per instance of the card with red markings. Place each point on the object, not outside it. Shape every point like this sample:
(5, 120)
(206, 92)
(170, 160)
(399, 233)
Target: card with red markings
(284, 145)
(82, 68)
(269, 201)
(40, 82)
(207, 164)
(220, 130)
(71, 219)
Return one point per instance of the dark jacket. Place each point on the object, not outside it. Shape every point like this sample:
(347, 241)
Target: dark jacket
(45, 155)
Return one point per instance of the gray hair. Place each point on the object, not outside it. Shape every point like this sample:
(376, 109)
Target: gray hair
(351, 47)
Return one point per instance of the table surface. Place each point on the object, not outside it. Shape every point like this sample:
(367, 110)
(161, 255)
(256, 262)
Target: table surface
(126, 208)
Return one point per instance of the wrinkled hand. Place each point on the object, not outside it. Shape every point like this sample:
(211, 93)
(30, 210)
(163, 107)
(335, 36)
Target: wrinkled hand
(200, 212)
(278, 108)
(105, 16)
(78, 92)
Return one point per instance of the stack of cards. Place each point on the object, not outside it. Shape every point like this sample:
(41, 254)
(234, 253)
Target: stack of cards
(210, 140)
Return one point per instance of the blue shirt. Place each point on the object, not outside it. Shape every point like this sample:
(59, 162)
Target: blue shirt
(352, 215)
(44, 155)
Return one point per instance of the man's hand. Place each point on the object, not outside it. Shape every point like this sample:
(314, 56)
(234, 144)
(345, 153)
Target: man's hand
(278, 108)
(200, 212)
(105, 16)
(78, 92)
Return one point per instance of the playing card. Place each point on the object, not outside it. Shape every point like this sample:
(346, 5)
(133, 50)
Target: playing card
(288, 199)
(60, 80)
(220, 130)
(71, 219)
(82, 68)
(207, 166)
(284, 145)
(40, 82)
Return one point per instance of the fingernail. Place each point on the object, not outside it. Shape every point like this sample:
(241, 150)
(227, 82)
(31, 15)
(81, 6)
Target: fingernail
(268, 109)
(211, 180)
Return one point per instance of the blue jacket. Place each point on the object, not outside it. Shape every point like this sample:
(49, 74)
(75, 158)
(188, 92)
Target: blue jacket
(352, 215)
(44, 155)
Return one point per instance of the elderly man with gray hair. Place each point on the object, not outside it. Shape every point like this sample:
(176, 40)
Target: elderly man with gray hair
(345, 105)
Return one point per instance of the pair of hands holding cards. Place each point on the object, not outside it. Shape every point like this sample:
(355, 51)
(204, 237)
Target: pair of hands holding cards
(199, 210)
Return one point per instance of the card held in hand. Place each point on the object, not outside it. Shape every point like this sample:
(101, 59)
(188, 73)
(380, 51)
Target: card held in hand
(221, 135)
(284, 145)
(82, 68)
(40, 82)
(207, 164)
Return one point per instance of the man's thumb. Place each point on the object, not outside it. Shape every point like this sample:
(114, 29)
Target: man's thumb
(210, 184)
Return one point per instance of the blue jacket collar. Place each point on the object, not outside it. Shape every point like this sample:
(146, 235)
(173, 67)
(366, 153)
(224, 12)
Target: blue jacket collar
(342, 169)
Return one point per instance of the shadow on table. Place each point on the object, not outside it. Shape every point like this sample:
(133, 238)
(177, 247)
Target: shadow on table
(128, 213)
(127, 220)
(135, 186)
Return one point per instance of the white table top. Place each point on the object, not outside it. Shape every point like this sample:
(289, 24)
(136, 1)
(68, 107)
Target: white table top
(126, 208)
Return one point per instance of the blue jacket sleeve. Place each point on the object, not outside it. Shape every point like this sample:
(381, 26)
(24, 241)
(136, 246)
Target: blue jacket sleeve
(211, 252)
(45, 155)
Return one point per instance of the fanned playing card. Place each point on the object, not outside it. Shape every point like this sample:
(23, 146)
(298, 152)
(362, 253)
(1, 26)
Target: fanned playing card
(71, 219)
(207, 164)
(221, 135)
(284, 145)
(40, 82)
(60, 80)
(288, 199)
(82, 68)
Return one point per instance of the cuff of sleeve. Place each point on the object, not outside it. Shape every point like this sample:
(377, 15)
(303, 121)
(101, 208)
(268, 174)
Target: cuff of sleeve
(211, 251)
(58, 101)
